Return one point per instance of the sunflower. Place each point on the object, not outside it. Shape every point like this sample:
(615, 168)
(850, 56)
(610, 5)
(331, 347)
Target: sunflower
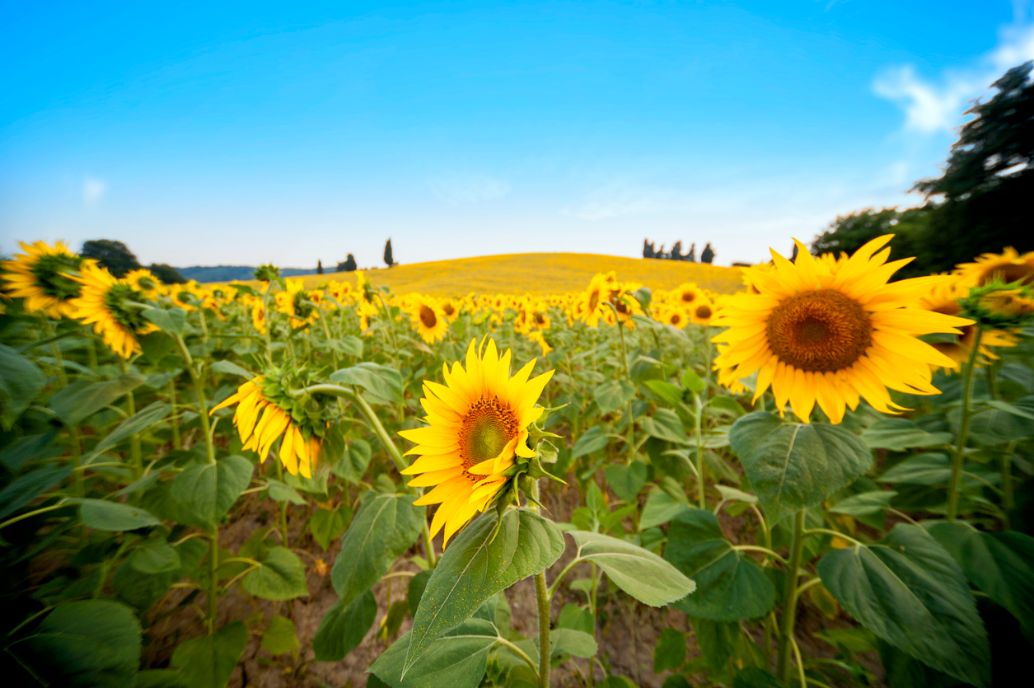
(945, 297)
(832, 333)
(591, 308)
(428, 319)
(1007, 266)
(476, 423)
(702, 311)
(540, 339)
(261, 421)
(297, 304)
(42, 275)
(687, 294)
(674, 316)
(144, 281)
(113, 307)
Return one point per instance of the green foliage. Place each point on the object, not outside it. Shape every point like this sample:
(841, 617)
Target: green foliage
(209, 661)
(207, 491)
(20, 381)
(279, 576)
(114, 255)
(457, 659)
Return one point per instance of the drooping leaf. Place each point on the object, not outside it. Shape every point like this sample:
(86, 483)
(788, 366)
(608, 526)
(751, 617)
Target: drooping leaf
(383, 384)
(639, 572)
(592, 440)
(154, 557)
(567, 641)
(730, 585)
(134, 425)
(899, 434)
(280, 491)
(1001, 565)
(281, 576)
(20, 381)
(864, 503)
(476, 566)
(384, 528)
(82, 399)
(666, 425)
(626, 481)
(344, 627)
(25, 488)
(792, 466)
(230, 368)
(114, 516)
(613, 395)
(908, 591)
(457, 659)
(209, 661)
(205, 492)
(660, 508)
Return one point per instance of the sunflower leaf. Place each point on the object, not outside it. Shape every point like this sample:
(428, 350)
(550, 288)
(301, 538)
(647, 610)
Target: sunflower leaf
(792, 466)
(474, 568)
(459, 658)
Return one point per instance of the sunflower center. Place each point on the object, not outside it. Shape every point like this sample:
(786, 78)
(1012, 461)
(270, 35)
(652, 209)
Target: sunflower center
(594, 300)
(704, 312)
(689, 296)
(819, 331)
(487, 427)
(427, 316)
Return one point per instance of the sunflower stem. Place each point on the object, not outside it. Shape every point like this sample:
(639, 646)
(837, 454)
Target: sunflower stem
(542, 596)
(959, 457)
(206, 433)
(135, 453)
(791, 591)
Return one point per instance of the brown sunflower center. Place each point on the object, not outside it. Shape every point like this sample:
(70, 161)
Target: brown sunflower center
(427, 316)
(819, 331)
(487, 427)
(704, 312)
(594, 300)
(689, 296)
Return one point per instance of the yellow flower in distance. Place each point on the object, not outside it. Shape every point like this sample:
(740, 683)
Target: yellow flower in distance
(261, 422)
(477, 422)
(1007, 266)
(41, 277)
(428, 319)
(112, 306)
(833, 332)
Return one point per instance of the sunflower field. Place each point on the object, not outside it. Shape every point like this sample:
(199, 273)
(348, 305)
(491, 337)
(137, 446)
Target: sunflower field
(820, 477)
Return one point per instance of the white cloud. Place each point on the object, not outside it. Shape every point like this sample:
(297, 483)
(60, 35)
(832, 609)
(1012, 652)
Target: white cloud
(94, 190)
(934, 106)
(468, 189)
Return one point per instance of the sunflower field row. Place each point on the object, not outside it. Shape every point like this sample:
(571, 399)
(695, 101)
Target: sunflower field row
(822, 479)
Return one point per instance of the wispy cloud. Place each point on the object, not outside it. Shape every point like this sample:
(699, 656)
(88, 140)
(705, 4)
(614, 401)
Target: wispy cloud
(94, 190)
(936, 105)
(468, 189)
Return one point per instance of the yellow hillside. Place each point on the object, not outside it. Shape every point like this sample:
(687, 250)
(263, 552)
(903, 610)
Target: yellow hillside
(541, 273)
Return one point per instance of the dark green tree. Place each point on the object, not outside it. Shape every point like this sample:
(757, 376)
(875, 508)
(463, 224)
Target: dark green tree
(707, 255)
(847, 233)
(114, 255)
(319, 267)
(988, 182)
(389, 259)
(347, 265)
(166, 273)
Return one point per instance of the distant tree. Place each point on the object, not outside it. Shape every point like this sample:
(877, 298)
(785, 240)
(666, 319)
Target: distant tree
(988, 182)
(319, 266)
(692, 255)
(114, 255)
(166, 273)
(847, 233)
(649, 251)
(389, 259)
(347, 265)
(707, 255)
(676, 250)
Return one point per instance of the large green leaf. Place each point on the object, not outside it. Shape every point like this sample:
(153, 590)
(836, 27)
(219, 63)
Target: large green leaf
(457, 660)
(1001, 565)
(730, 585)
(898, 434)
(477, 566)
(133, 425)
(795, 465)
(639, 572)
(613, 395)
(87, 643)
(82, 399)
(281, 636)
(666, 425)
(592, 440)
(154, 557)
(20, 381)
(27, 487)
(660, 508)
(281, 576)
(386, 526)
(114, 516)
(205, 492)
(383, 384)
(908, 591)
(626, 481)
(209, 661)
(344, 627)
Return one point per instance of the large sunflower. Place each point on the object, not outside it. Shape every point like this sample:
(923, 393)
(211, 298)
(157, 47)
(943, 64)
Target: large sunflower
(833, 332)
(42, 275)
(477, 422)
(113, 307)
(261, 421)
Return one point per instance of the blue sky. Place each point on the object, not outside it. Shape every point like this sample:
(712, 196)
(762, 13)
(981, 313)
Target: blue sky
(206, 133)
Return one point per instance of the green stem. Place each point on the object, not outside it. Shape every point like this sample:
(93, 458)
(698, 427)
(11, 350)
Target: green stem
(206, 432)
(1008, 499)
(177, 441)
(542, 597)
(628, 376)
(135, 453)
(35, 512)
(698, 430)
(958, 459)
(789, 617)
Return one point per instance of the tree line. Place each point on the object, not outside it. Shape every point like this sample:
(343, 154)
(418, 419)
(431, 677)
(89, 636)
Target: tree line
(650, 250)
